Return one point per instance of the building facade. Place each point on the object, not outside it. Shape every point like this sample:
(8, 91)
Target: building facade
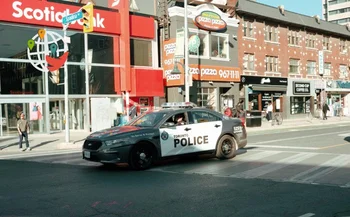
(105, 68)
(296, 61)
(213, 57)
(336, 11)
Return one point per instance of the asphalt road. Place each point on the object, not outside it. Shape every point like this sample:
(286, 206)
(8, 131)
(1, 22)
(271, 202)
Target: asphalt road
(294, 172)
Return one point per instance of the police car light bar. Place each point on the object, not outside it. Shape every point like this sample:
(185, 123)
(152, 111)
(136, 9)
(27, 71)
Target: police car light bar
(178, 105)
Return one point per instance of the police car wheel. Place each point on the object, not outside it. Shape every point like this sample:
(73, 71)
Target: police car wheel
(226, 148)
(142, 157)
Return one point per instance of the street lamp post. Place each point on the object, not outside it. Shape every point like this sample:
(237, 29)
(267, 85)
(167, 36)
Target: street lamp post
(187, 85)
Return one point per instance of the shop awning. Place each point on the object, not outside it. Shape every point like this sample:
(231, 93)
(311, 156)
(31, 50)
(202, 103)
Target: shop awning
(277, 88)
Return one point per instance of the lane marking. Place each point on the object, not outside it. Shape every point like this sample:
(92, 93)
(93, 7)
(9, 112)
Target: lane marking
(326, 166)
(307, 215)
(299, 137)
(333, 146)
(274, 166)
(203, 169)
(283, 147)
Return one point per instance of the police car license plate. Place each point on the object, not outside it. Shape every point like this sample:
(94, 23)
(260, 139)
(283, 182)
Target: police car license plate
(86, 154)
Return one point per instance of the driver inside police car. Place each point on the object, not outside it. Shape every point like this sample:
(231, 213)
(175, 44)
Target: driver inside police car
(179, 119)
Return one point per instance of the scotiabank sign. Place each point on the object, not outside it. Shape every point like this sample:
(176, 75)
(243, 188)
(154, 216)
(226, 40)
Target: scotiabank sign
(50, 14)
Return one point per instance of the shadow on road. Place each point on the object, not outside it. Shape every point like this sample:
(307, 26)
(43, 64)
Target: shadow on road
(12, 144)
(43, 143)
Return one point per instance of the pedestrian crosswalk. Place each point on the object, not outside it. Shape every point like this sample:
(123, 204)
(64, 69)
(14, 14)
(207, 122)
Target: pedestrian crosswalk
(281, 166)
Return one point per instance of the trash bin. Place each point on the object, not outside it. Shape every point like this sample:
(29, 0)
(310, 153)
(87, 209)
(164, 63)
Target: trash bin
(253, 119)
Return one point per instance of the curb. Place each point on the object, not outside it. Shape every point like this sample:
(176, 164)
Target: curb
(69, 145)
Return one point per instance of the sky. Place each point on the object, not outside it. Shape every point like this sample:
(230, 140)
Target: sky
(307, 7)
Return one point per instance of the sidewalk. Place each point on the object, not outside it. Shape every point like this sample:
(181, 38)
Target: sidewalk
(44, 142)
(296, 123)
(56, 141)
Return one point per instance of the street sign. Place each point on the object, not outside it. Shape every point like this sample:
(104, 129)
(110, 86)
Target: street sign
(72, 17)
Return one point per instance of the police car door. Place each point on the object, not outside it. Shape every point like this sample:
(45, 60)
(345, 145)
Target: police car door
(176, 139)
(206, 129)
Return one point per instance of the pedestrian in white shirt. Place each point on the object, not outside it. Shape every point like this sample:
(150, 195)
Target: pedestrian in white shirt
(269, 111)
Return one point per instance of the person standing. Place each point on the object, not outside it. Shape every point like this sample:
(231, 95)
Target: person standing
(23, 131)
(269, 111)
(325, 108)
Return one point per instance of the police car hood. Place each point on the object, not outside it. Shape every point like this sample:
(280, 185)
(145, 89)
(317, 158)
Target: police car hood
(103, 134)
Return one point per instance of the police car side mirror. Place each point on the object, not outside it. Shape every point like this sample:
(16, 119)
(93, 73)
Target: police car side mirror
(168, 124)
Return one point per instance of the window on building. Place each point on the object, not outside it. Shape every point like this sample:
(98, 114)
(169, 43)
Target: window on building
(203, 49)
(300, 105)
(327, 69)
(294, 66)
(140, 52)
(207, 97)
(271, 64)
(310, 40)
(293, 38)
(248, 30)
(343, 71)
(311, 67)
(271, 33)
(342, 46)
(219, 46)
(249, 62)
(326, 40)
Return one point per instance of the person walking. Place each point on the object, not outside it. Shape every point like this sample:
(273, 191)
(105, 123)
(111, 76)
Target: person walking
(23, 131)
(325, 108)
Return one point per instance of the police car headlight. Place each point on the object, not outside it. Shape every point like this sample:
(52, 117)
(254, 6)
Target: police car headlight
(115, 142)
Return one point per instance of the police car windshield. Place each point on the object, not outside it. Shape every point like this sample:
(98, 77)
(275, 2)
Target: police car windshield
(147, 119)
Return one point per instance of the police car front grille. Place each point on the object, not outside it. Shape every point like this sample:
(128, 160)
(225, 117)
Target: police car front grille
(92, 145)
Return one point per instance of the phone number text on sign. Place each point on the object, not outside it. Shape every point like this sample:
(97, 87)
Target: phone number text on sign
(229, 74)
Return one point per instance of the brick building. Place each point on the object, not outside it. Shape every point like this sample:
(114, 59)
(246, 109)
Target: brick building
(294, 60)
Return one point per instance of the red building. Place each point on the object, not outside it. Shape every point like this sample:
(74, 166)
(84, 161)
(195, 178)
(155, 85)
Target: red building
(116, 61)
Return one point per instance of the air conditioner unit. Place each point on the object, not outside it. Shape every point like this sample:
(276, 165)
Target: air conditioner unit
(281, 8)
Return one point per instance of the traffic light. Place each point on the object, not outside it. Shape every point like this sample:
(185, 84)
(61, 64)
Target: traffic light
(88, 18)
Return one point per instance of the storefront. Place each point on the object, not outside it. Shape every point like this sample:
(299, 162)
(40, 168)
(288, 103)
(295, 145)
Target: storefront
(259, 91)
(116, 58)
(213, 60)
(338, 96)
(302, 97)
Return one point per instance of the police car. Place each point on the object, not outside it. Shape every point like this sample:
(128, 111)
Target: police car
(175, 130)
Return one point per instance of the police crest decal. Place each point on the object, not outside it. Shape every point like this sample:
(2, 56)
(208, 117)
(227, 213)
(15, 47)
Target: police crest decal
(164, 135)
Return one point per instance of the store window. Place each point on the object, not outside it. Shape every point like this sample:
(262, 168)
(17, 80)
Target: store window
(203, 49)
(342, 46)
(300, 105)
(219, 46)
(271, 64)
(101, 48)
(140, 52)
(343, 71)
(271, 33)
(294, 66)
(293, 38)
(248, 29)
(207, 97)
(327, 69)
(311, 67)
(249, 62)
(310, 40)
(101, 80)
(326, 41)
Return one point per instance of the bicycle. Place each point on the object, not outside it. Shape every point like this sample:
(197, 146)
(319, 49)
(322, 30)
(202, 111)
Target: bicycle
(277, 117)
